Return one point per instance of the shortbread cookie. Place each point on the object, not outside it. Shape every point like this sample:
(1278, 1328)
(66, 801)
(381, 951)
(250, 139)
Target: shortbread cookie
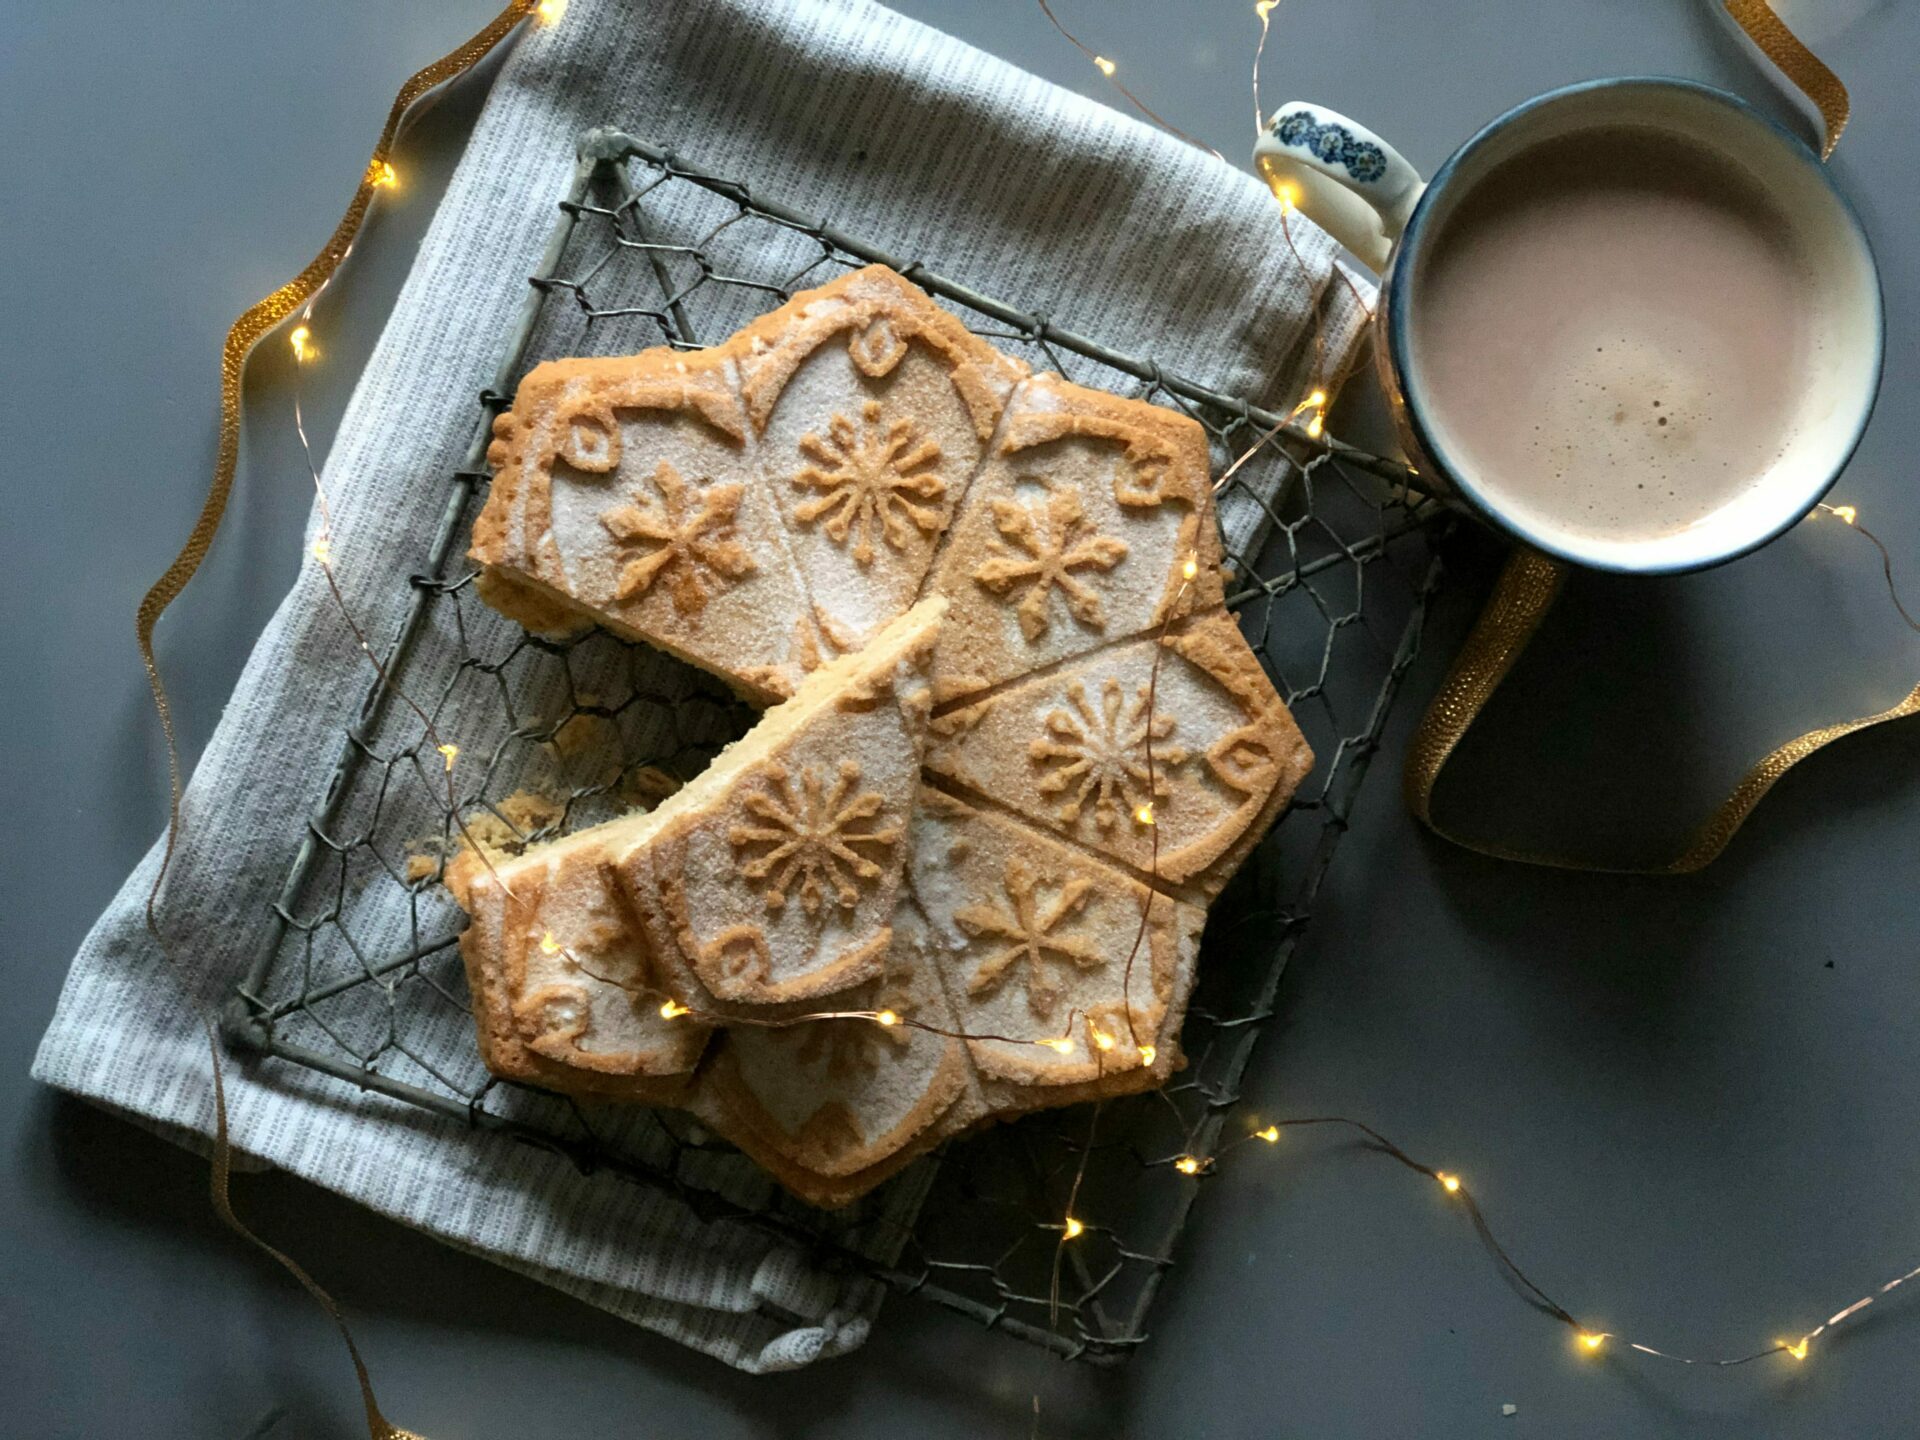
(835, 1106)
(872, 408)
(1068, 975)
(623, 492)
(1101, 748)
(565, 992)
(667, 494)
(1169, 753)
(770, 878)
(1091, 523)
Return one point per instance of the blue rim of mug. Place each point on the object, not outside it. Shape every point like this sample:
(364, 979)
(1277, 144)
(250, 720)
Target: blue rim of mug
(1400, 346)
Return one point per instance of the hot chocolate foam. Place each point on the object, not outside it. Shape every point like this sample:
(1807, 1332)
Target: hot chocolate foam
(1613, 335)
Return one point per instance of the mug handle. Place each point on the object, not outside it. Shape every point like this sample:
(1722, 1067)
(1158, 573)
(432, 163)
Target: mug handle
(1342, 176)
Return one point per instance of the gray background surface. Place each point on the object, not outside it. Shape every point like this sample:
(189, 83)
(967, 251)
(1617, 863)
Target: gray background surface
(1689, 1106)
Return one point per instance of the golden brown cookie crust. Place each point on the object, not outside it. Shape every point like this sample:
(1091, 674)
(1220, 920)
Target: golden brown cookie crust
(1073, 533)
(515, 1022)
(1164, 763)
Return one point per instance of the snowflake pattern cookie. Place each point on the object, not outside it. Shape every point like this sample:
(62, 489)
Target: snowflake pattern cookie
(1017, 741)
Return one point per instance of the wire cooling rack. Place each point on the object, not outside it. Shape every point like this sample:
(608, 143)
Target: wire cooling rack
(361, 978)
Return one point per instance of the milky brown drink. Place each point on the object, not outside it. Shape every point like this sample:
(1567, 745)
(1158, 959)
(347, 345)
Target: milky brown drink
(1613, 335)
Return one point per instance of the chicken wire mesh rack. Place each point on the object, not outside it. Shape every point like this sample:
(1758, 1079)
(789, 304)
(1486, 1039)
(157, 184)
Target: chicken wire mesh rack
(361, 977)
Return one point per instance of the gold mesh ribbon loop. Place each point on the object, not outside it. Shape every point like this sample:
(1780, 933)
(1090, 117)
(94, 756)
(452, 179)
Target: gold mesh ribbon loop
(258, 321)
(1524, 593)
(378, 1426)
(1799, 64)
(1530, 582)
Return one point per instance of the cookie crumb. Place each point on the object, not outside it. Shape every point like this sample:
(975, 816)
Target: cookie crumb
(520, 815)
(581, 731)
(647, 786)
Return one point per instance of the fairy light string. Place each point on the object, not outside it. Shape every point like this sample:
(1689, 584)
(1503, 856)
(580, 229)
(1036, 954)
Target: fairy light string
(1849, 516)
(299, 295)
(1110, 73)
(259, 320)
(323, 555)
(1072, 1227)
(1264, 10)
(1755, 16)
(1589, 1338)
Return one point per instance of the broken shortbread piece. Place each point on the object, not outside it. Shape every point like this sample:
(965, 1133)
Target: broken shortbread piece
(770, 878)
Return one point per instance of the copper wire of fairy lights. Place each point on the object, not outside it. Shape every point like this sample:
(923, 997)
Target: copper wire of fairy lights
(1111, 73)
(381, 175)
(1263, 9)
(1850, 516)
(1589, 1339)
(1071, 1226)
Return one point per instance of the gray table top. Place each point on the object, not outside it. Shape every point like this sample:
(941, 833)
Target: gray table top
(1688, 1105)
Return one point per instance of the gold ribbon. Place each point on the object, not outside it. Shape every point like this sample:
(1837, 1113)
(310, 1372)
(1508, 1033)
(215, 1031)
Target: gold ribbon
(1530, 583)
(258, 320)
(1526, 590)
(378, 1426)
(1798, 64)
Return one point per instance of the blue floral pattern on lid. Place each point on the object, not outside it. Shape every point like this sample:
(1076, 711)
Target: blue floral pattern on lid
(1333, 144)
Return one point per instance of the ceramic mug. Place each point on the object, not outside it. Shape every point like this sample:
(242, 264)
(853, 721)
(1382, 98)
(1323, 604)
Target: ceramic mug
(1365, 194)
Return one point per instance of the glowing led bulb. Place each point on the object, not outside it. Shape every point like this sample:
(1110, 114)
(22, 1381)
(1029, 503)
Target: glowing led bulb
(1074, 1228)
(887, 1017)
(1798, 1351)
(1317, 399)
(551, 10)
(1105, 65)
(549, 945)
(1060, 1046)
(1147, 1052)
(1449, 1183)
(1846, 513)
(1187, 1165)
(450, 753)
(1316, 426)
(1264, 8)
(302, 341)
(672, 1010)
(1593, 1340)
(383, 176)
(323, 550)
(1144, 814)
(1190, 569)
(1101, 1039)
(1271, 1134)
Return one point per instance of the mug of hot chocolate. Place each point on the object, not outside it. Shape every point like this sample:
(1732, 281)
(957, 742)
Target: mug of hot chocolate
(1631, 322)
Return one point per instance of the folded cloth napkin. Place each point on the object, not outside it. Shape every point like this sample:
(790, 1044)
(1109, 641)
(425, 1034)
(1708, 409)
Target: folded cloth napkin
(891, 131)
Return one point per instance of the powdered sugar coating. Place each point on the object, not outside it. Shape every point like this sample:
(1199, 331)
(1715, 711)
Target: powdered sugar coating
(782, 499)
